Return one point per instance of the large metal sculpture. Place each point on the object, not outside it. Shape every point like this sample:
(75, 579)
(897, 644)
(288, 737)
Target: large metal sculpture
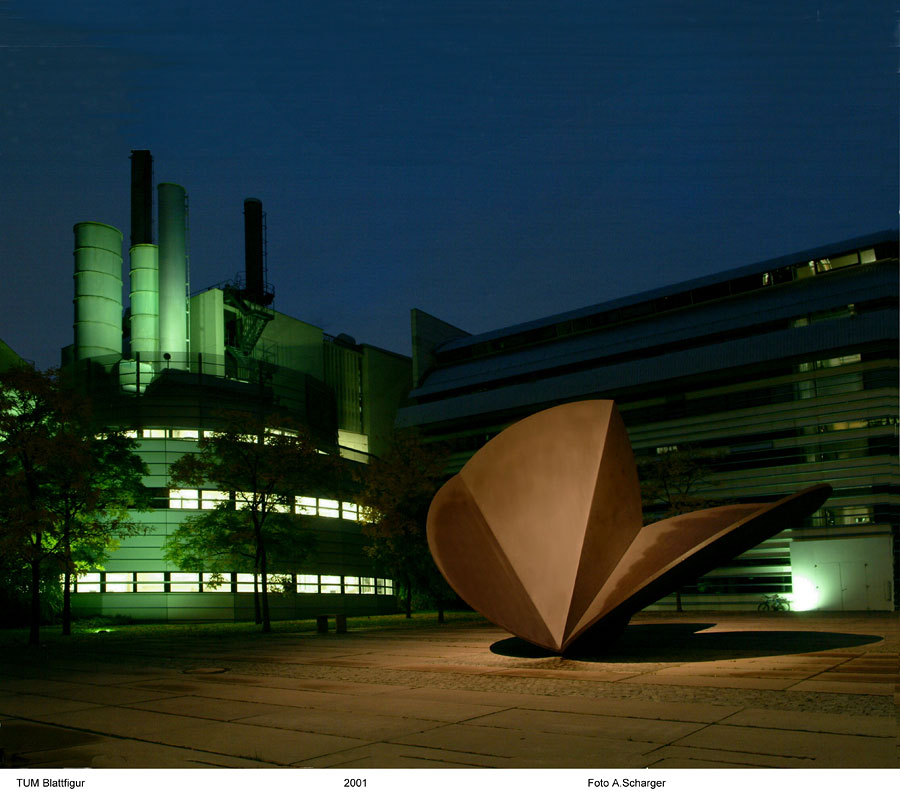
(541, 531)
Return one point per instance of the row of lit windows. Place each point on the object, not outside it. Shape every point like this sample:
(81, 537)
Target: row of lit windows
(662, 304)
(207, 499)
(228, 582)
(193, 434)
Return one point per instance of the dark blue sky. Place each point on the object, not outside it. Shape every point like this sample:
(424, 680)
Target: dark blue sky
(489, 162)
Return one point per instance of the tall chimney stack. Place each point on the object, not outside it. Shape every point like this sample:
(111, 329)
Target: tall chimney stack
(173, 289)
(141, 197)
(253, 251)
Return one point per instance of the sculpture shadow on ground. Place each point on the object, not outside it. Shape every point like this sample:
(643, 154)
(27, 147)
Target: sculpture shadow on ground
(680, 641)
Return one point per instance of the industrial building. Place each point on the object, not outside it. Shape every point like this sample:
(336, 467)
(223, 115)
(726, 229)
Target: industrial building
(164, 365)
(777, 375)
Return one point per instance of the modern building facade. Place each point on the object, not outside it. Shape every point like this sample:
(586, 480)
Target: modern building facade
(164, 365)
(778, 375)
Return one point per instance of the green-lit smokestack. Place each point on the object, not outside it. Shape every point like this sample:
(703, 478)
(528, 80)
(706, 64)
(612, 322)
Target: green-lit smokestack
(173, 289)
(144, 298)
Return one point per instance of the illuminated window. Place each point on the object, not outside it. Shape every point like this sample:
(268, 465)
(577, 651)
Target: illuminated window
(129, 434)
(854, 515)
(307, 584)
(351, 585)
(243, 500)
(216, 581)
(281, 584)
(281, 432)
(845, 261)
(184, 582)
(279, 508)
(350, 511)
(89, 583)
(119, 582)
(149, 582)
(384, 586)
(154, 433)
(367, 585)
(329, 508)
(331, 584)
(366, 514)
(184, 498)
(306, 506)
(185, 434)
(839, 361)
(245, 582)
(211, 498)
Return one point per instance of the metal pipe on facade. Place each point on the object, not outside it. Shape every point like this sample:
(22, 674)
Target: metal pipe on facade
(98, 291)
(173, 291)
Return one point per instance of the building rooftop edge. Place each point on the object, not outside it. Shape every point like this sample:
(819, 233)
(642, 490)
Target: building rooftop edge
(821, 251)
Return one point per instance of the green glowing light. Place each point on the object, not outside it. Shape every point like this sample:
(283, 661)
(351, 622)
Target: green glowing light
(805, 594)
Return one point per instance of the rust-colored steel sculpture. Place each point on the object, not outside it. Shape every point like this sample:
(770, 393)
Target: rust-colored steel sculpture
(541, 531)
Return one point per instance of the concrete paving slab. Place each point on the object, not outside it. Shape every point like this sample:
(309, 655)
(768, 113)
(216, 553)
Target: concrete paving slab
(586, 724)
(206, 707)
(20, 739)
(368, 727)
(108, 753)
(826, 749)
(699, 758)
(688, 763)
(855, 677)
(272, 745)
(394, 756)
(646, 709)
(83, 692)
(815, 721)
(31, 706)
(130, 723)
(395, 704)
(535, 748)
(307, 684)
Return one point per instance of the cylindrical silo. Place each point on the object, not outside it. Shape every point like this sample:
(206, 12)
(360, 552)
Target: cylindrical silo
(98, 291)
(173, 292)
(144, 297)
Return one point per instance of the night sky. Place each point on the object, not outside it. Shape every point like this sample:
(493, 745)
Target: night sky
(489, 162)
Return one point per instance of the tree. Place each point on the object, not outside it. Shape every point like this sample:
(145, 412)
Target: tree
(65, 490)
(673, 483)
(262, 465)
(96, 487)
(396, 491)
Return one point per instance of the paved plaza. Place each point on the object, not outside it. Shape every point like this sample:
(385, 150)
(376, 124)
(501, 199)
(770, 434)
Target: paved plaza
(687, 690)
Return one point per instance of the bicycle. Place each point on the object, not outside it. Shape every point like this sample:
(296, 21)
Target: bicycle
(774, 602)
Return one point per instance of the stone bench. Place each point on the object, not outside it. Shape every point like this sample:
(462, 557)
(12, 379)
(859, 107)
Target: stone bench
(340, 623)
